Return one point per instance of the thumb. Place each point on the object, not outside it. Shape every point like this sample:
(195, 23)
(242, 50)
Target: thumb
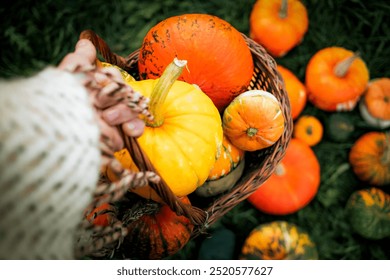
(84, 47)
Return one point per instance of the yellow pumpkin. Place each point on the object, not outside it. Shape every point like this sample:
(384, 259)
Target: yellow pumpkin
(185, 137)
(127, 162)
(126, 76)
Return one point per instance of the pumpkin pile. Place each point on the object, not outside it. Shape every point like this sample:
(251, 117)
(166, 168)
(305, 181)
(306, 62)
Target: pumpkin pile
(336, 82)
(205, 119)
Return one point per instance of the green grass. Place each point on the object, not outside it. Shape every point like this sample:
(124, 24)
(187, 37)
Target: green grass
(34, 35)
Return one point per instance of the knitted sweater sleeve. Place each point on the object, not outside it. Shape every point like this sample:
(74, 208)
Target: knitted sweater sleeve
(49, 163)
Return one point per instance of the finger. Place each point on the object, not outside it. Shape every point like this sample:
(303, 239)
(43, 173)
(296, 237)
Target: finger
(85, 48)
(119, 114)
(114, 73)
(111, 94)
(134, 128)
(111, 136)
(72, 60)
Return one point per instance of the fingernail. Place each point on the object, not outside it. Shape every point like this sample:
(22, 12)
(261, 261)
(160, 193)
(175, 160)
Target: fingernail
(112, 115)
(81, 43)
(130, 126)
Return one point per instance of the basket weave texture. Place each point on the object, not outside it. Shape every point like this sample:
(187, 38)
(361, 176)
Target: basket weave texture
(259, 164)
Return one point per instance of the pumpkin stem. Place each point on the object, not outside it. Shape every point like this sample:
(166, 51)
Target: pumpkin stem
(161, 90)
(343, 66)
(252, 131)
(283, 9)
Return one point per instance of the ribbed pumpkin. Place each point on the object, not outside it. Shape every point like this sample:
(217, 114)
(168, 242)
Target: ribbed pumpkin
(293, 184)
(278, 240)
(335, 79)
(296, 91)
(370, 158)
(185, 136)
(309, 129)
(157, 234)
(375, 103)
(219, 60)
(278, 25)
(368, 211)
(253, 120)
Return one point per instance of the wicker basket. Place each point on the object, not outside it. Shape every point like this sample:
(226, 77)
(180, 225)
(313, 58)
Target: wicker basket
(259, 165)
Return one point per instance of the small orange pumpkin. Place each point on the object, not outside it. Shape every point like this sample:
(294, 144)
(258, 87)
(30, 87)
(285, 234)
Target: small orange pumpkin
(309, 129)
(278, 25)
(335, 79)
(296, 91)
(219, 60)
(370, 158)
(253, 120)
(375, 103)
(293, 184)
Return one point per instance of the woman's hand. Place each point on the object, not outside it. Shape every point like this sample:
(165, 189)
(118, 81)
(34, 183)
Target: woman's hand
(109, 97)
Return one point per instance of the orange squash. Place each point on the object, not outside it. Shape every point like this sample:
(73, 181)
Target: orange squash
(335, 79)
(253, 120)
(370, 158)
(156, 235)
(309, 129)
(375, 103)
(278, 25)
(293, 184)
(219, 60)
(296, 91)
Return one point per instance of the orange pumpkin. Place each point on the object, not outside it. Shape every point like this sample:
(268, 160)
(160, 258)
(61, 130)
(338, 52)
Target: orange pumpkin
(253, 120)
(370, 158)
(293, 184)
(296, 91)
(375, 103)
(278, 25)
(158, 234)
(308, 129)
(219, 60)
(335, 79)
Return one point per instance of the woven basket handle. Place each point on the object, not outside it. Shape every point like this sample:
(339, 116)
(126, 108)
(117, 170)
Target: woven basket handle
(104, 49)
(196, 215)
